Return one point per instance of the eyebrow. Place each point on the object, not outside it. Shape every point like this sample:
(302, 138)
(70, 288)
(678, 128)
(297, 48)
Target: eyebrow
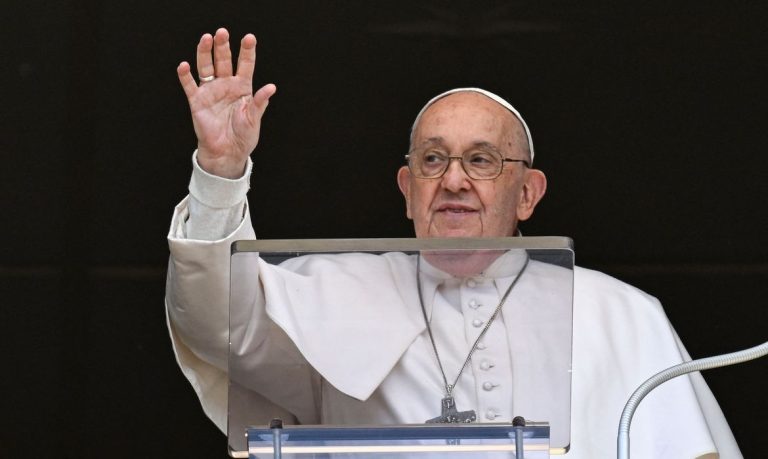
(487, 145)
(433, 141)
(439, 141)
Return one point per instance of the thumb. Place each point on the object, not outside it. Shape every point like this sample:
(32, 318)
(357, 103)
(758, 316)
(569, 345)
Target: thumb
(258, 104)
(261, 97)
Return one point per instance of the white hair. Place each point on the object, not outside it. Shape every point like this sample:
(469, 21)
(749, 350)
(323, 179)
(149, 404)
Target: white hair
(487, 94)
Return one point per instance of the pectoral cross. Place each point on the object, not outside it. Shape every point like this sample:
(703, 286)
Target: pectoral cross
(451, 415)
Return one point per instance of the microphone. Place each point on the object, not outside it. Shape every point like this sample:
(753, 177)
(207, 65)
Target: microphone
(519, 422)
(622, 441)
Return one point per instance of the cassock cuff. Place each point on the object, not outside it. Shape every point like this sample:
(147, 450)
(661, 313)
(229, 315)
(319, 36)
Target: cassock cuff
(218, 192)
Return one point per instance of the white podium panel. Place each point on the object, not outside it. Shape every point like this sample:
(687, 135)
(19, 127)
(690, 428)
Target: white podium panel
(401, 332)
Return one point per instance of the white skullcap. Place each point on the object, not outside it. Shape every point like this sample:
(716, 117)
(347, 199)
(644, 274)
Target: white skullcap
(487, 94)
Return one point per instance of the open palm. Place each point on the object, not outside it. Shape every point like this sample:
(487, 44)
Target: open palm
(225, 113)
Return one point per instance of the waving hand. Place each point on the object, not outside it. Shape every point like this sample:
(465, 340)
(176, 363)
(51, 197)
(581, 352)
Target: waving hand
(225, 112)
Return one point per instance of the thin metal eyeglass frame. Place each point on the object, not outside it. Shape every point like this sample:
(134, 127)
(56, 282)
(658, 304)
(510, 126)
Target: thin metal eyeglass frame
(461, 161)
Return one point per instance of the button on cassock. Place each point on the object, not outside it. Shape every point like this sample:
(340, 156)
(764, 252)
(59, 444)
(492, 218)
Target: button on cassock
(486, 365)
(477, 323)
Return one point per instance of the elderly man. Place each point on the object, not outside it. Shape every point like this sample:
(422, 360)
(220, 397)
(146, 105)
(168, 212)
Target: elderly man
(469, 174)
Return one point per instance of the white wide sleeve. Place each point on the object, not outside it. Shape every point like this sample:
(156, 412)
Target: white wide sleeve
(713, 414)
(621, 338)
(203, 227)
(197, 307)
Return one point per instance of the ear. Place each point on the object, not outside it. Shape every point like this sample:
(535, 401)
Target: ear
(404, 183)
(534, 187)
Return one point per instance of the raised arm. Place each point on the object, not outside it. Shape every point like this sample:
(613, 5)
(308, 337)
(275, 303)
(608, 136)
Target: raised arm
(227, 118)
(225, 112)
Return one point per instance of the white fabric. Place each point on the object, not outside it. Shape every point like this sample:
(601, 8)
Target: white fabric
(217, 202)
(365, 308)
(621, 336)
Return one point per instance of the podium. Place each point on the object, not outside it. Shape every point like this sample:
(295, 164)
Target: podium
(422, 441)
(353, 343)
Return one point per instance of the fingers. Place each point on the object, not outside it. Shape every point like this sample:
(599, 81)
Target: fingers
(204, 57)
(222, 54)
(214, 56)
(246, 61)
(186, 79)
(214, 59)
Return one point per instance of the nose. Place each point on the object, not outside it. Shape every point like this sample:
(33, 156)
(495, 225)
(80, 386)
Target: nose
(455, 177)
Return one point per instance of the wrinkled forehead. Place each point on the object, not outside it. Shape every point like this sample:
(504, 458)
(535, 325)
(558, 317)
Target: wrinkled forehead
(487, 94)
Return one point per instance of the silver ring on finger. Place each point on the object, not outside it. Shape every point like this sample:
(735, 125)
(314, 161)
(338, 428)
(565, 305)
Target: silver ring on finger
(207, 79)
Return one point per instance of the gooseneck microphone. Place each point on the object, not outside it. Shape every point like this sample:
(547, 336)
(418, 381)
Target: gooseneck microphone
(673, 372)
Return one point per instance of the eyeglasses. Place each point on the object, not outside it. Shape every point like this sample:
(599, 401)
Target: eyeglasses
(478, 164)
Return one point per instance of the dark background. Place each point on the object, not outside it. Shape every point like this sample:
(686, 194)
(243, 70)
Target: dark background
(649, 121)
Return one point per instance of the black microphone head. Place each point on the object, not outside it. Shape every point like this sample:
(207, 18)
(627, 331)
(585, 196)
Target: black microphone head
(518, 421)
(276, 424)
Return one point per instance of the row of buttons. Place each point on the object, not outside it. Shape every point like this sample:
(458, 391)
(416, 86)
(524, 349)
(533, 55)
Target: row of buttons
(485, 364)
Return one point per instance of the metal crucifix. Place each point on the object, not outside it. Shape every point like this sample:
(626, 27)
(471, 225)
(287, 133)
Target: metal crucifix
(450, 415)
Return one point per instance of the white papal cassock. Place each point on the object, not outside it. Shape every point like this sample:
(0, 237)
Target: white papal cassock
(361, 354)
